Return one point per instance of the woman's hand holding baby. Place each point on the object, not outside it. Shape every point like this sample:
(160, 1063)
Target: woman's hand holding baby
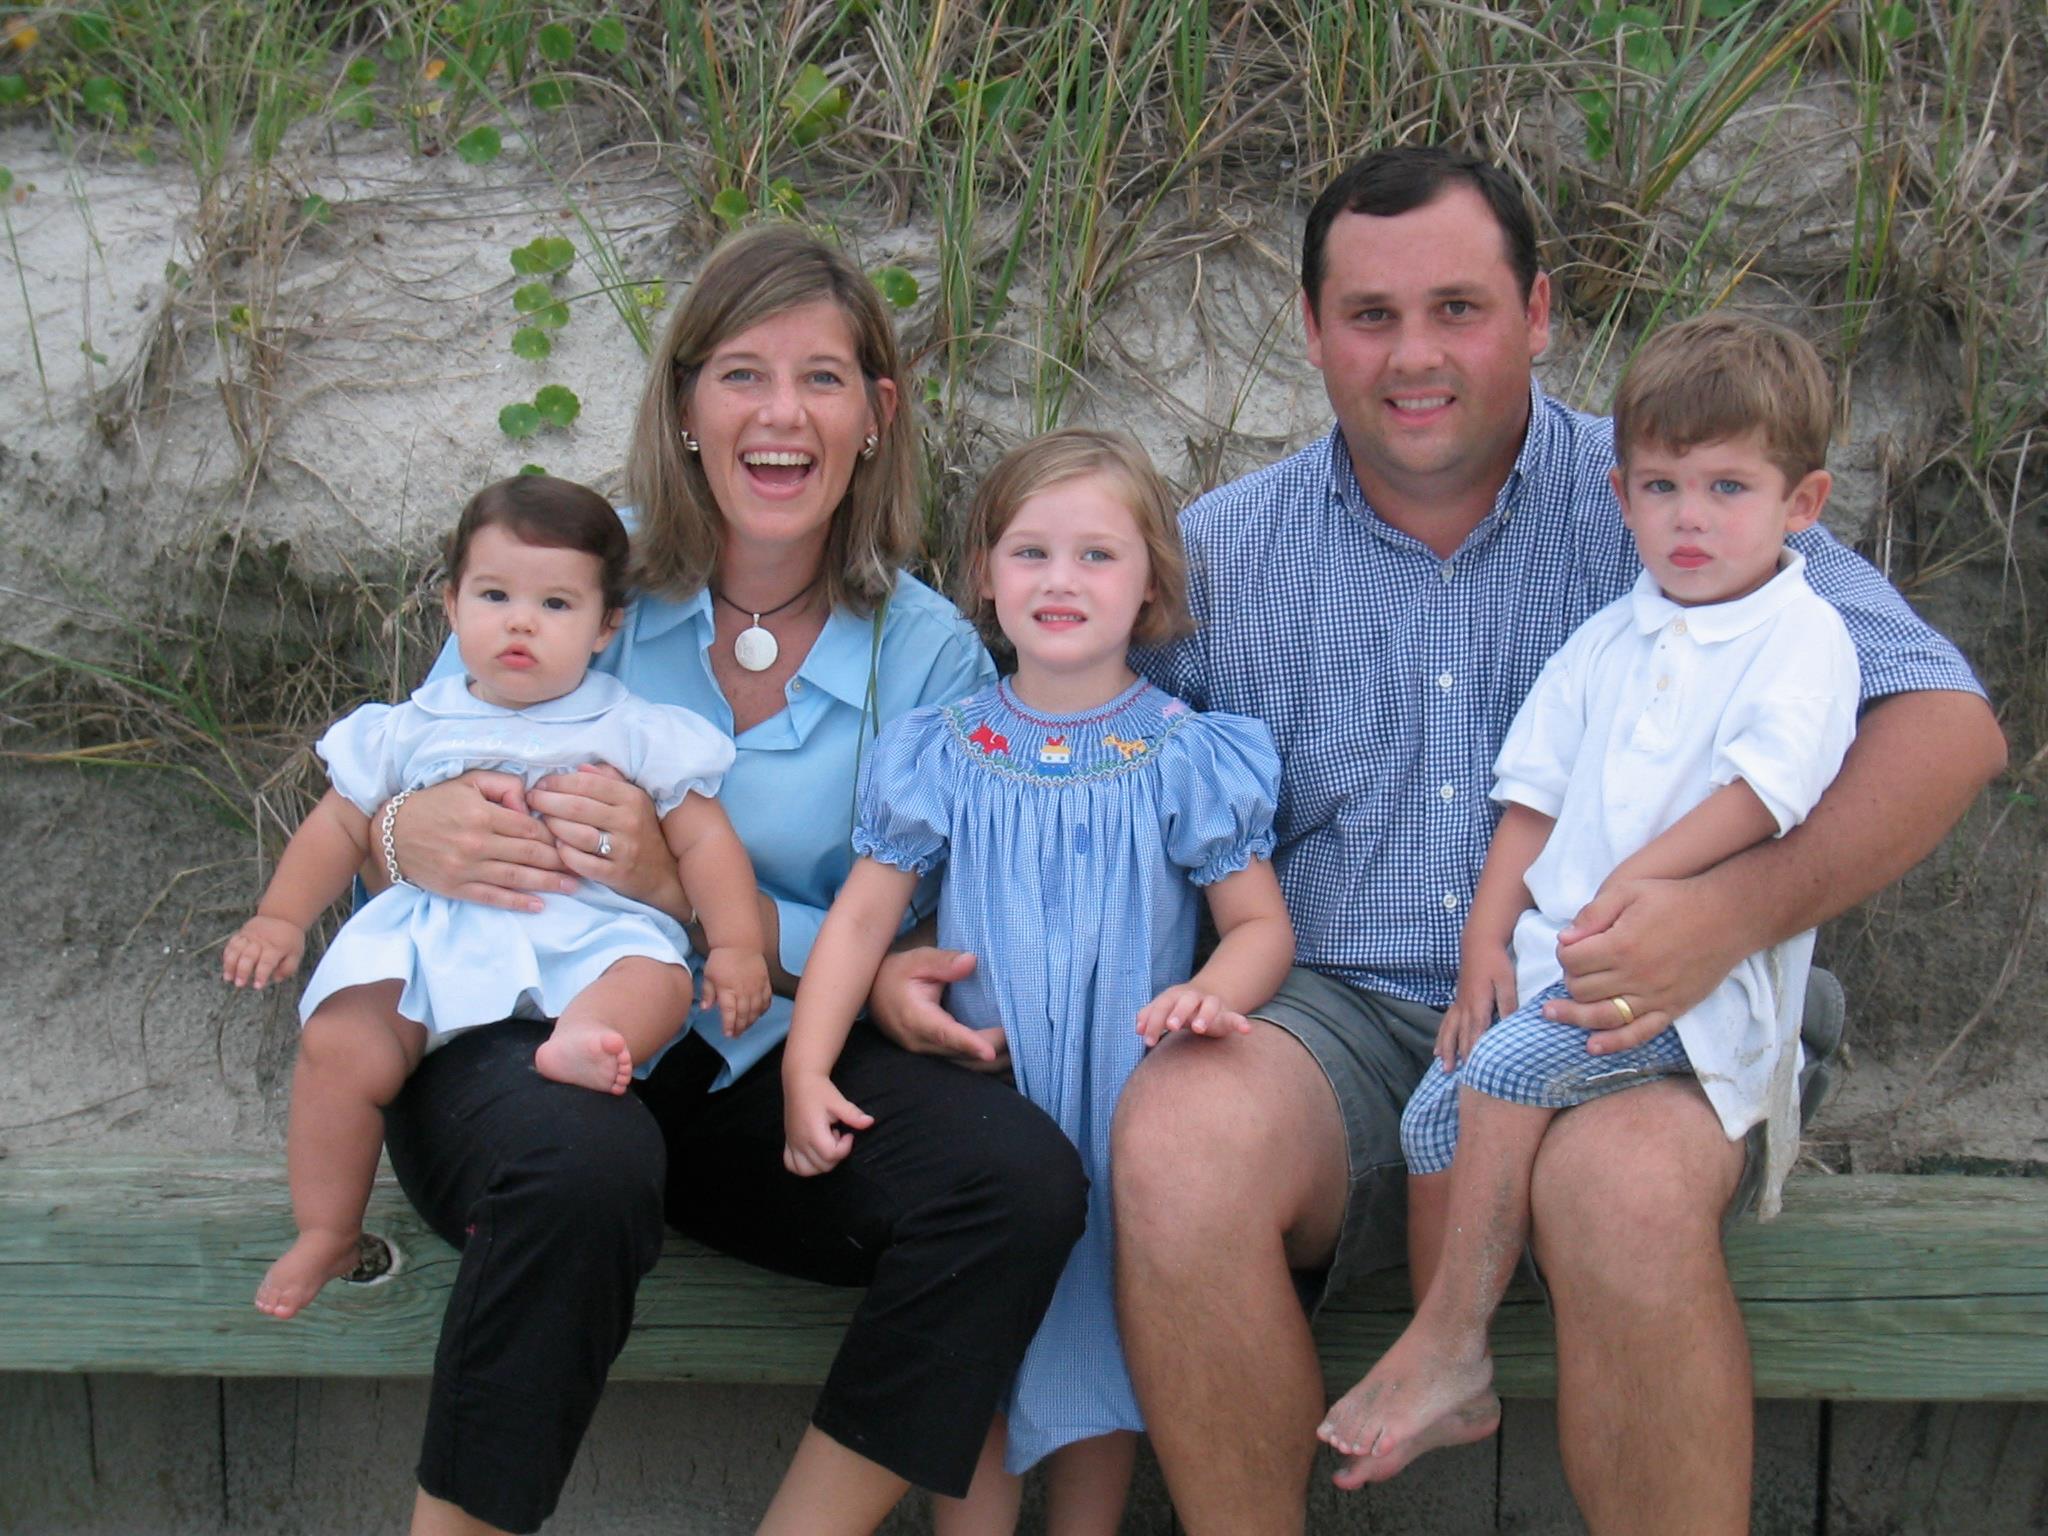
(597, 807)
(818, 1123)
(472, 839)
(1187, 1006)
(263, 950)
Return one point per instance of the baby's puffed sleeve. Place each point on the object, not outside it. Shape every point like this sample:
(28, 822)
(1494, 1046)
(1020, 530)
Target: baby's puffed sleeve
(1789, 725)
(1220, 781)
(678, 752)
(906, 793)
(361, 753)
(1535, 761)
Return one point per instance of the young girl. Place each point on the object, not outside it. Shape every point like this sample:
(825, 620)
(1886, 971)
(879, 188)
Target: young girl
(1703, 712)
(536, 587)
(1077, 808)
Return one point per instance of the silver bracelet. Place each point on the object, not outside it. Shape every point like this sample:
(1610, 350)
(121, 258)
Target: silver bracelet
(390, 820)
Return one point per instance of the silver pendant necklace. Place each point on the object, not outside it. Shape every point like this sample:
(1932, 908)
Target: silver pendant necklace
(755, 647)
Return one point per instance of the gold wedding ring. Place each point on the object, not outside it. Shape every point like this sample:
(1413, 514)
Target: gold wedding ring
(1628, 1014)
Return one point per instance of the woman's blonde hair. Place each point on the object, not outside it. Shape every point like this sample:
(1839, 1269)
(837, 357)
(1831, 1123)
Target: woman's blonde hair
(749, 278)
(1053, 459)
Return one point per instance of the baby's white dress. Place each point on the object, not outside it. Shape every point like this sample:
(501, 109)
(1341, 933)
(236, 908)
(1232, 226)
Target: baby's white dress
(463, 963)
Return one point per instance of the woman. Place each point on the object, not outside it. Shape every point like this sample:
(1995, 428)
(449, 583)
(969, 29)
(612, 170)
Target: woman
(773, 469)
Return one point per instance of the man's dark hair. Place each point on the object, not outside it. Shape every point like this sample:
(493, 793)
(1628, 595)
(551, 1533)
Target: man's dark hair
(1395, 181)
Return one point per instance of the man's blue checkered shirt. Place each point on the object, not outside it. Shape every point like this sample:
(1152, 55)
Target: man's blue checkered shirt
(1389, 675)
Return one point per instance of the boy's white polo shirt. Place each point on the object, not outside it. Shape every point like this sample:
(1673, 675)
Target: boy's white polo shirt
(1645, 711)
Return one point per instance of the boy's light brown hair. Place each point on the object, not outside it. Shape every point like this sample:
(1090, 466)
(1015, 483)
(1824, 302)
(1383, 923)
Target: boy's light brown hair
(1068, 454)
(1722, 376)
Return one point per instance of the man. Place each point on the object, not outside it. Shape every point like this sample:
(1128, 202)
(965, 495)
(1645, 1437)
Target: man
(1383, 601)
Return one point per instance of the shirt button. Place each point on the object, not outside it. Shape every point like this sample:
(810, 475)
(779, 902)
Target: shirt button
(1663, 682)
(1444, 681)
(1445, 570)
(1450, 901)
(796, 685)
(1678, 626)
(1449, 791)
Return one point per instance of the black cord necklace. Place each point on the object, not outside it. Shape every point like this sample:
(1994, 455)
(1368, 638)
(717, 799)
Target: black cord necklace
(755, 648)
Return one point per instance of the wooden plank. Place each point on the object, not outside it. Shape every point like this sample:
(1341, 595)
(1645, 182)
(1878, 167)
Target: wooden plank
(1937, 1469)
(1866, 1288)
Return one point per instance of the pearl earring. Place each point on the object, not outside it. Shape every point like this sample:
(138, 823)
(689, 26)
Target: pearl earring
(689, 442)
(869, 446)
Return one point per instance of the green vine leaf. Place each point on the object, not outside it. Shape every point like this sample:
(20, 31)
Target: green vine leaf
(558, 404)
(609, 36)
(103, 97)
(480, 146)
(543, 256)
(549, 95)
(556, 43)
(519, 419)
(315, 209)
(360, 71)
(532, 469)
(732, 206)
(531, 343)
(813, 105)
(897, 286)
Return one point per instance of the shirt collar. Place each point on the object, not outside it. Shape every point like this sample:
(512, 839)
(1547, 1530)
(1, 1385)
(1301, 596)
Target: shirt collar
(1528, 470)
(656, 616)
(1710, 623)
(450, 699)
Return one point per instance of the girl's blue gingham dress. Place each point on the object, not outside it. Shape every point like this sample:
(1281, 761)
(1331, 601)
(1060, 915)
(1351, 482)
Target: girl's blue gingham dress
(1073, 846)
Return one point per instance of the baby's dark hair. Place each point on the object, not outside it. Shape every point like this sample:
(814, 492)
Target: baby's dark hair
(1725, 375)
(555, 514)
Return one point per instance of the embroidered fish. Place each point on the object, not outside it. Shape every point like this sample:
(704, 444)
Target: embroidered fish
(1125, 749)
(990, 742)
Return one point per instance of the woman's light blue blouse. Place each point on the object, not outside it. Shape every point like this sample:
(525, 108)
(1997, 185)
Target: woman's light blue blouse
(790, 791)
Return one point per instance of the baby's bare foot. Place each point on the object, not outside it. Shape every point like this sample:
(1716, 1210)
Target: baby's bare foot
(295, 1279)
(586, 1058)
(1423, 1395)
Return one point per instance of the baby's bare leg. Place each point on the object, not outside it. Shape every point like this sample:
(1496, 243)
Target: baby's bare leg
(1435, 1386)
(623, 1017)
(355, 1053)
(1087, 1484)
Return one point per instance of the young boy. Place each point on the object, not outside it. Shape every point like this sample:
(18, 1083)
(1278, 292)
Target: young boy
(1700, 714)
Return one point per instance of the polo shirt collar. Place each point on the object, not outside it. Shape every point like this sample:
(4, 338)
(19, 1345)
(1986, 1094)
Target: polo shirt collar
(450, 699)
(1710, 623)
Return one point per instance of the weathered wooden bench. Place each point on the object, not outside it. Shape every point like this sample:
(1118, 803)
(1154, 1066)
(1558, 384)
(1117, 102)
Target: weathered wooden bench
(1920, 1288)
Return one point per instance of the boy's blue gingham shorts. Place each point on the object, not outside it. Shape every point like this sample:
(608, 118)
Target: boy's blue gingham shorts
(1526, 1059)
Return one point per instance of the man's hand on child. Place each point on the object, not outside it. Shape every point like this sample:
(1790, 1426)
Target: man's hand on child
(1486, 991)
(1187, 1006)
(1662, 945)
(818, 1123)
(263, 950)
(736, 984)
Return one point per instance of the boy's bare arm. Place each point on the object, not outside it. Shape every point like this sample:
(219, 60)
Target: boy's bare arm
(1502, 895)
(1918, 761)
(1729, 820)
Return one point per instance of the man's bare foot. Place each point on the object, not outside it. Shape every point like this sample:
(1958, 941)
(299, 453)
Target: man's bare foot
(1421, 1397)
(295, 1279)
(586, 1058)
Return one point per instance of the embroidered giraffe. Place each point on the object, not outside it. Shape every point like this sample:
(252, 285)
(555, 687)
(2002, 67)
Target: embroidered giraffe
(1125, 749)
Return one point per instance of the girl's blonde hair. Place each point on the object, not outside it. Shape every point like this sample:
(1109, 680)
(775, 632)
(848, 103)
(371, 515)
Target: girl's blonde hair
(1068, 454)
(749, 278)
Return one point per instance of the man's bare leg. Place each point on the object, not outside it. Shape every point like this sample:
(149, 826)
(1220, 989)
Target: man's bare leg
(1654, 1407)
(1231, 1171)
